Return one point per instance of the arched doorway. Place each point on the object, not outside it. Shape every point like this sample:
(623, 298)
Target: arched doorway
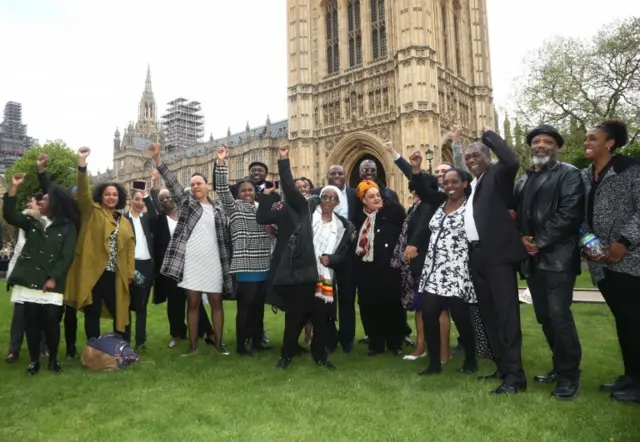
(354, 175)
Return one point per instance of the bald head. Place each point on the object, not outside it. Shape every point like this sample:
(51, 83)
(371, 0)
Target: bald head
(336, 177)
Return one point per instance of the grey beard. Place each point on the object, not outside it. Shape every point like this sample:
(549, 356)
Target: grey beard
(539, 162)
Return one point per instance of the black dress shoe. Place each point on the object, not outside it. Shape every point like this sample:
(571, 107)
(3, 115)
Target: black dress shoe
(628, 396)
(491, 377)
(552, 376)
(364, 340)
(469, 367)
(265, 339)
(430, 370)
(55, 367)
(409, 341)
(71, 354)
(242, 351)
(261, 347)
(284, 363)
(372, 353)
(326, 364)
(33, 368)
(397, 352)
(347, 348)
(566, 391)
(13, 356)
(508, 389)
(621, 383)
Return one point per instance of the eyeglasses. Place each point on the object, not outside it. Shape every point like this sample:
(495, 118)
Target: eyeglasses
(368, 170)
(328, 198)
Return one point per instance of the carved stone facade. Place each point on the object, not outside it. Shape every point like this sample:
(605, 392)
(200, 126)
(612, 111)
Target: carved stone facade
(363, 72)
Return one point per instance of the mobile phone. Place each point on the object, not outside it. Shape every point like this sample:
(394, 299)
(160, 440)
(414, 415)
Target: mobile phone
(276, 184)
(139, 185)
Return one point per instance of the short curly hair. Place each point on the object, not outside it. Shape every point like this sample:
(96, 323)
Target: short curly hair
(99, 189)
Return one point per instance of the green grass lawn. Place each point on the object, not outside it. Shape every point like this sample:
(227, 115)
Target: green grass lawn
(213, 397)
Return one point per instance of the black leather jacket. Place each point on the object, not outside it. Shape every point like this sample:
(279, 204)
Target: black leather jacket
(555, 215)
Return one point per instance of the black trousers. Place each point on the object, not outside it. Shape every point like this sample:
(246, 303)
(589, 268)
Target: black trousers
(103, 291)
(301, 304)
(384, 322)
(250, 313)
(139, 302)
(432, 307)
(177, 307)
(17, 330)
(346, 299)
(552, 295)
(70, 329)
(40, 317)
(622, 294)
(497, 292)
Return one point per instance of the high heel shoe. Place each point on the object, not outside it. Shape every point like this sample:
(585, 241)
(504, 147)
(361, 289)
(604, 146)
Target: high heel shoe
(414, 357)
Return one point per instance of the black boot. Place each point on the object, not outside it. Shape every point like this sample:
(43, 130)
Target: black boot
(33, 368)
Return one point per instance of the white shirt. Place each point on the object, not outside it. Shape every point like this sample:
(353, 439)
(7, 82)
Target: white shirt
(342, 209)
(172, 223)
(142, 249)
(469, 220)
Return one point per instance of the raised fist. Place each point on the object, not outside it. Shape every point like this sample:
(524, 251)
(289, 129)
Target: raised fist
(84, 152)
(17, 179)
(154, 150)
(389, 147)
(154, 174)
(43, 160)
(488, 128)
(221, 152)
(284, 152)
(456, 133)
(415, 159)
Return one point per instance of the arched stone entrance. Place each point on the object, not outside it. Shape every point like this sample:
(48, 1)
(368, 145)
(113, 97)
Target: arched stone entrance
(354, 148)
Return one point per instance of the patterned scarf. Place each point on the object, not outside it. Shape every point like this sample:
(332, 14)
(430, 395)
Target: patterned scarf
(325, 242)
(367, 237)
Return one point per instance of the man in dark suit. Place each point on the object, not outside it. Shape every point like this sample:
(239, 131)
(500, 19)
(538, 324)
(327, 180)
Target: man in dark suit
(496, 251)
(140, 290)
(348, 208)
(550, 209)
(369, 171)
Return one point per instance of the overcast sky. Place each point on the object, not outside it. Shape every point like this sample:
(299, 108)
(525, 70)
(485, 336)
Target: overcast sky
(78, 67)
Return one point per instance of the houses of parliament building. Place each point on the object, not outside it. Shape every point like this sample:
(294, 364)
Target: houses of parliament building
(360, 73)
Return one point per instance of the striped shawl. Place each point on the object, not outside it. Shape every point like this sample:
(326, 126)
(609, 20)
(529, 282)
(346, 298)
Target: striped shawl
(189, 213)
(251, 244)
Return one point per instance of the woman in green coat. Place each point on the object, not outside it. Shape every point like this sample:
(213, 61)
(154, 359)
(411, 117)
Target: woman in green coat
(39, 275)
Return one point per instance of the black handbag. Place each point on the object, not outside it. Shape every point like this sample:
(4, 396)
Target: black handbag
(291, 268)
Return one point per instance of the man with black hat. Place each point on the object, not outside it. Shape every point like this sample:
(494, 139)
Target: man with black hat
(550, 209)
(258, 172)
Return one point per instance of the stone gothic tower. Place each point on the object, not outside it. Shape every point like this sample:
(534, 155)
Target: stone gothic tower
(147, 124)
(364, 72)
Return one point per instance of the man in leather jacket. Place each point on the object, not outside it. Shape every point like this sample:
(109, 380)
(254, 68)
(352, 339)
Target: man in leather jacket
(550, 208)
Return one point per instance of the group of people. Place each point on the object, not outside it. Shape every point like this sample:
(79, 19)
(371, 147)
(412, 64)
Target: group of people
(455, 253)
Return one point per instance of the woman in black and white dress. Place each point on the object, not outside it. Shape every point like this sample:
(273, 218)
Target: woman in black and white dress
(446, 278)
(198, 254)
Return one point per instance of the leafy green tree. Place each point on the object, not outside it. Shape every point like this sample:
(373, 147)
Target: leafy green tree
(61, 169)
(572, 84)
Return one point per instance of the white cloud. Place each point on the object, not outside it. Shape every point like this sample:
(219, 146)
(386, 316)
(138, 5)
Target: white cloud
(78, 67)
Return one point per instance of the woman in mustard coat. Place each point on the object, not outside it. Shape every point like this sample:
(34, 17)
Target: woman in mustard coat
(98, 281)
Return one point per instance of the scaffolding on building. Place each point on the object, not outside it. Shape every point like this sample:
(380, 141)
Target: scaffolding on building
(183, 124)
(14, 140)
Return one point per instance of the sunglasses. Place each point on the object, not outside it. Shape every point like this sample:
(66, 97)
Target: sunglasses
(368, 169)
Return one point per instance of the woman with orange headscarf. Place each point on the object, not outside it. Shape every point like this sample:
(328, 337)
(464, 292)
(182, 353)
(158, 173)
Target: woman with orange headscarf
(378, 284)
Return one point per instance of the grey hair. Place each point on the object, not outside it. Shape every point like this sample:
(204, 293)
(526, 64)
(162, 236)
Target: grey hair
(481, 147)
(366, 161)
(334, 166)
(165, 191)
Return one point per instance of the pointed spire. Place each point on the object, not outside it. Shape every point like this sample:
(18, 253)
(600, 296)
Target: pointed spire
(211, 137)
(117, 134)
(268, 120)
(147, 84)
(229, 131)
(247, 128)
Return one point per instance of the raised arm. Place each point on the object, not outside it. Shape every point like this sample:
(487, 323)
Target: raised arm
(291, 194)
(426, 185)
(43, 178)
(402, 164)
(177, 191)
(83, 192)
(9, 207)
(221, 176)
(507, 158)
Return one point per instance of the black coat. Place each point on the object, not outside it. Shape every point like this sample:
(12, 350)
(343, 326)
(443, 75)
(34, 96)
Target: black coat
(377, 280)
(418, 231)
(555, 215)
(498, 231)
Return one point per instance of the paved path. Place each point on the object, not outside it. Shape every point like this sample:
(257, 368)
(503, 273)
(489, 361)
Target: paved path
(586, 296)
